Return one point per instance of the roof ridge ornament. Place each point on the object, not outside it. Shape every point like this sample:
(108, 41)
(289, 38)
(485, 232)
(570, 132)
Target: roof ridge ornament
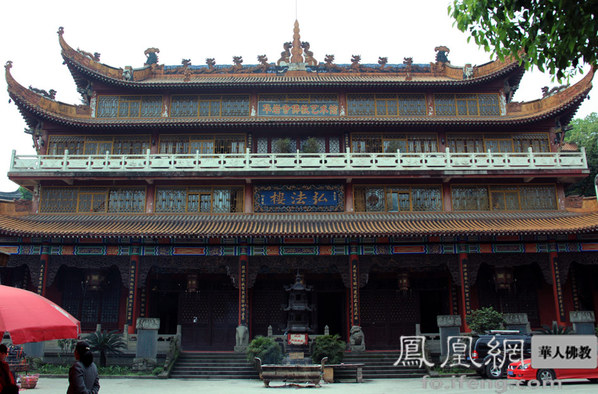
(151, 55)
(285, 56)
(297, 51)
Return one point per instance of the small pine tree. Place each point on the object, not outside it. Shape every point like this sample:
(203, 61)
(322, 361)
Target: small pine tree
(310, 146)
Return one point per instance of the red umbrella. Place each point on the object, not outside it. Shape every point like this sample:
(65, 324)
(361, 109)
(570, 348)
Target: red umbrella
(30, 317)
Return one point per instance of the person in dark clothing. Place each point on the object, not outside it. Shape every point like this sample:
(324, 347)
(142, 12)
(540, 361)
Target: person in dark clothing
(7, 381)
(83, 375)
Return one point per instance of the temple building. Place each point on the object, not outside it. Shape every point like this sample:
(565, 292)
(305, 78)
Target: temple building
(197, 194)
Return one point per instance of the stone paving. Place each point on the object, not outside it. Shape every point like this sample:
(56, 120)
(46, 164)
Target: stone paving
(378, 386)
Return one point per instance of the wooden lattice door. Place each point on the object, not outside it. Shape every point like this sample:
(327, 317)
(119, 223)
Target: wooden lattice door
(208, 319)
(386, 315)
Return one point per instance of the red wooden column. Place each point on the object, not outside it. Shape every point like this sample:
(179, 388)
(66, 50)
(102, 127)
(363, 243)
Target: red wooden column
(557, 291)
(43, 270)
(132, 297)
(465, 296)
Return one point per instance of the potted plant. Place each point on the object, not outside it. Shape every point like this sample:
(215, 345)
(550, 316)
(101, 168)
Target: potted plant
(555, 329)
(330, 346)
(266, 349)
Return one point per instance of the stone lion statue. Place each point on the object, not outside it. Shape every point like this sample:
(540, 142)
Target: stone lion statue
(356, 338)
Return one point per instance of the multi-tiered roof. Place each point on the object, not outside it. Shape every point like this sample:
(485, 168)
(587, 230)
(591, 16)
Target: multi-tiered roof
(295, 71)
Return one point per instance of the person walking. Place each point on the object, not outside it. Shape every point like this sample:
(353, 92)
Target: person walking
(83, 375)
(7, 380)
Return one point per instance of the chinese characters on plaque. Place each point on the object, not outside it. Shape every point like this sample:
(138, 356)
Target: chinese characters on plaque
(299, 198)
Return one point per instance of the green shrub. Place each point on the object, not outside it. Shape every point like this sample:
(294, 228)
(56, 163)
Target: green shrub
(485, 319)
(51, 369)
(266, 349)
(157, 371)
(330, 346)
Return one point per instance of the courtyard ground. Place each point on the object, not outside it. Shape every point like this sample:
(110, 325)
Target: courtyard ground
(379, 386)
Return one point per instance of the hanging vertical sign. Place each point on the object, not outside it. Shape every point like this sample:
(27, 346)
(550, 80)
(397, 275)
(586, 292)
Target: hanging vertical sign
(354, 262)
(131, 296)
(243, 307)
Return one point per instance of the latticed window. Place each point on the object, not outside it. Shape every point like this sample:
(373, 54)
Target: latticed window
(386, 105)
(537, 197)
(470, 198)
(92, 200)
(193, 106)
(126, 200)
(537, 141)
(129, 107)
(58, 200)
(216, 199)
(477, 143)
(389, 143)
(466, 104)
(91, 145)
(465, 143)
(107, 107)
(489, 104)
(498, 144)
(58, 144)
(504, 198)
(397, 198)
(204, 144)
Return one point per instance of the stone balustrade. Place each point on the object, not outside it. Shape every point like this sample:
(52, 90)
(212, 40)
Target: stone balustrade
(218, 164)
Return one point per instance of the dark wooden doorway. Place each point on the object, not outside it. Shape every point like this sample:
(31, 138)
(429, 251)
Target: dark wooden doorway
(208, 317)
(330, 311)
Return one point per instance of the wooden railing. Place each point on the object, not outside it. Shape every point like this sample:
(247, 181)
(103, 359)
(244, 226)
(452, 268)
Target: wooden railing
(294, 162)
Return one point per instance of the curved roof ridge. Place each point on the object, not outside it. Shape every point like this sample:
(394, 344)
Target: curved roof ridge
(35, 100)
(567, 95)
(86, 60)
(82, 64)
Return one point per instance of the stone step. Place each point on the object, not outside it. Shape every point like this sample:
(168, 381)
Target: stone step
(212, 368)
(214, 373)
(378, 365)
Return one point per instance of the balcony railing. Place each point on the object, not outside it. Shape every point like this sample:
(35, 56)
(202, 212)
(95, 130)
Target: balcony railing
(293, 162)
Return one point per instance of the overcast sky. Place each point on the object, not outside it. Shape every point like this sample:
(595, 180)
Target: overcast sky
(122, 30)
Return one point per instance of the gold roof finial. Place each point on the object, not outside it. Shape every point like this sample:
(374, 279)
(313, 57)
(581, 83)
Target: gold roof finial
(296, 51)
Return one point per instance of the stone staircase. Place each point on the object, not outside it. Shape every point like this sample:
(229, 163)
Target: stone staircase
(378, 365)
(229, 365)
